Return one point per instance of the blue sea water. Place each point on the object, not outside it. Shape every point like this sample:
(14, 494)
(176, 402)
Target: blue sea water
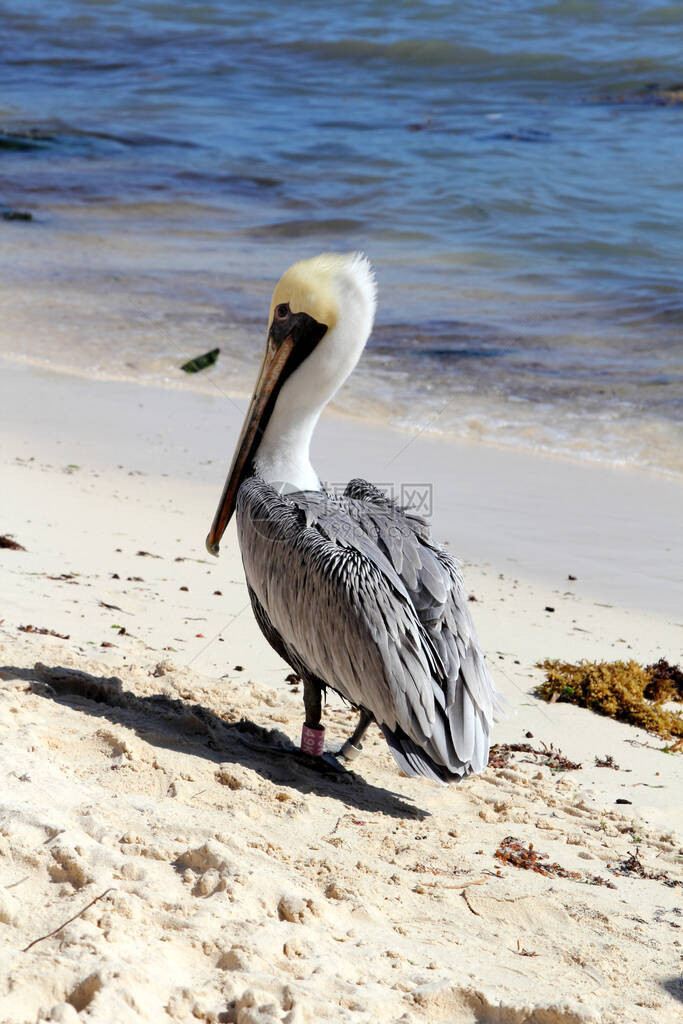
(513, 171)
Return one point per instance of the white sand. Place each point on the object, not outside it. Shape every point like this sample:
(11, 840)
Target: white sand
(243, 885)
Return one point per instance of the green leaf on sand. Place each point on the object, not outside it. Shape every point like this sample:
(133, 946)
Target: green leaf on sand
(201, 362)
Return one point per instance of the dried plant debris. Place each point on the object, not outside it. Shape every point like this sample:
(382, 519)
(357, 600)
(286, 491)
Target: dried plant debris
(6, 541)
(43, 631)
(634, 867)
(607, 762)
(623, 690)
(500, 754)
(512, 852)
(522, 951)
(599, 880)
(659, 916)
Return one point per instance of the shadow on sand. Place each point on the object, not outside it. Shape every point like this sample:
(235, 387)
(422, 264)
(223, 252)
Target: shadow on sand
(192, 729)
(674, 986)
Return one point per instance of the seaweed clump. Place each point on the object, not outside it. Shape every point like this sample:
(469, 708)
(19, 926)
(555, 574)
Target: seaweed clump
(623, 690)
(500, 754)
(512, 851)
(633, 866)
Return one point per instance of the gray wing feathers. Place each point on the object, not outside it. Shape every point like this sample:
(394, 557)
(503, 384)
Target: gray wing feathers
(437, 590)
(392, 631)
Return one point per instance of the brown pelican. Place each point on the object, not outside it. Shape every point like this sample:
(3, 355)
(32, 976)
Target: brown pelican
(351, 591)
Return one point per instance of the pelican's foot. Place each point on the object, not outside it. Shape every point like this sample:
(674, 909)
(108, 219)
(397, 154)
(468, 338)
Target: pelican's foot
(331, 759)
(352, 748)
(349, 751)
(325, 763)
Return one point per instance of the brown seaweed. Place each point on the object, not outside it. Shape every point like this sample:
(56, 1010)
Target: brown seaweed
(43, 631)
(623, 690)
(512, 852)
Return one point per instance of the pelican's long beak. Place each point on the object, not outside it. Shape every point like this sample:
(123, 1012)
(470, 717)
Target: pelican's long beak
(260, 408)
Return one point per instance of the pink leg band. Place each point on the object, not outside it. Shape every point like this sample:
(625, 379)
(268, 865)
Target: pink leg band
(313, 740)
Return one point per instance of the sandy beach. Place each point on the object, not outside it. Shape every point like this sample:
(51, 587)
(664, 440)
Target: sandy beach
(146, 751)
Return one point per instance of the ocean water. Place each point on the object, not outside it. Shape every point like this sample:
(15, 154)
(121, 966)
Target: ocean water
(513, 172)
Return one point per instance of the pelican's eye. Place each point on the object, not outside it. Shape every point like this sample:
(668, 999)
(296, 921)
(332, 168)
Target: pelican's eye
(282, 311)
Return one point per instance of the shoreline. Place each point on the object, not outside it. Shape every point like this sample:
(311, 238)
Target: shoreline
(171, 378)
(538, 516)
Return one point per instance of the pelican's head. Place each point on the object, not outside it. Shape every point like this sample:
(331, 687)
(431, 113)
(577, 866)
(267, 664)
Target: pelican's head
(321, 316)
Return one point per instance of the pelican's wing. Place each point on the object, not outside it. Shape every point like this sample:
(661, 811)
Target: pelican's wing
(436, 587)
(363, 600)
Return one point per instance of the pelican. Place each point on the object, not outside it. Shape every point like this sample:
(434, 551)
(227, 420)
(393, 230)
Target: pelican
(350, 590)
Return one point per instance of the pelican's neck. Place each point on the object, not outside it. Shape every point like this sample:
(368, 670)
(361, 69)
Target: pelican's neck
(282, 458)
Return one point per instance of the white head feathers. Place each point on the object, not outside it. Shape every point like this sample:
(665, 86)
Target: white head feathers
(337, 290)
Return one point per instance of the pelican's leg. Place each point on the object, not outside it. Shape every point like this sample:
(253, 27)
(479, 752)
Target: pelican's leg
(313, 704)
(352, 748)
(313, 733)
